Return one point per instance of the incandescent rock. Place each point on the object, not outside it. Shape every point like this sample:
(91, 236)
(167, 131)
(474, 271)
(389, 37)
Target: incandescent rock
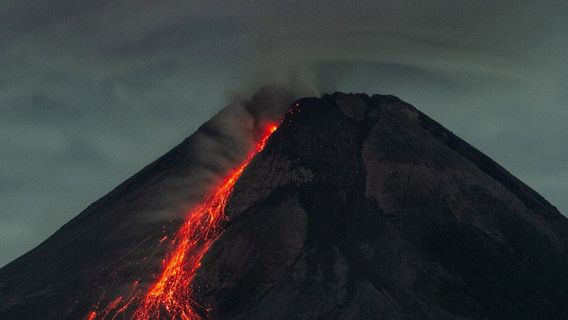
(358, 208)
(394, 218)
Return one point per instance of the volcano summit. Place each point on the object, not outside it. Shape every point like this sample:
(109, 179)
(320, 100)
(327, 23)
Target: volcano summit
(349, 207)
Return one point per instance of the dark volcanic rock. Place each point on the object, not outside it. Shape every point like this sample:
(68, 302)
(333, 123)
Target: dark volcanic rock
(358, 208)
(364, 208)
(116, 241)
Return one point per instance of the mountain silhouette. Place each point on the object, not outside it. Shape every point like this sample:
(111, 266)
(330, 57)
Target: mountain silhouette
(356, 207)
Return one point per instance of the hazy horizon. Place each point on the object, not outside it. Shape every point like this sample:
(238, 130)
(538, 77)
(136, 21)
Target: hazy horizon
(91, 92)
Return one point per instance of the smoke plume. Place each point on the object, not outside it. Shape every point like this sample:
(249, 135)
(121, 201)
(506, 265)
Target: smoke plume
(218, 146)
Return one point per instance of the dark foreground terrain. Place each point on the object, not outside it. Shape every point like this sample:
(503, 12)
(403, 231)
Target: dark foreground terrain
(358, 208)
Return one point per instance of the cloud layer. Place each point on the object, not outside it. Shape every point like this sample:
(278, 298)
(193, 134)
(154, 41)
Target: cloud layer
(90, 92)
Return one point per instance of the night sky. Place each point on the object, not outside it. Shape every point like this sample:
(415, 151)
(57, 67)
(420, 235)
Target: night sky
(91, 91)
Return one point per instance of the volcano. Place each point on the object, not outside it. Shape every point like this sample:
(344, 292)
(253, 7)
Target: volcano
(342, 207)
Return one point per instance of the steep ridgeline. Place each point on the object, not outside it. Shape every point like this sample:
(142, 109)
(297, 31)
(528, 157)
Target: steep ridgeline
(356, 207)
(364, 208)
(131, 253)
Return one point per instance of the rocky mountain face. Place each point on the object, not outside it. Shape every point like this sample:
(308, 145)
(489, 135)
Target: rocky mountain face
(115, 247)
(364, 208)
(358, 208)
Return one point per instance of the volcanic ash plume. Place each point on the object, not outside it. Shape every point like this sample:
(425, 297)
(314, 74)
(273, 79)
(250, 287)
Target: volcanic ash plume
(131, 231)
(223, 148)
(356, 207)
(224, 141)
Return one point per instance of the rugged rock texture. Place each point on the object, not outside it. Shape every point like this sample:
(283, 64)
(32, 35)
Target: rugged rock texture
(358, 208)
(364, 208)
(117, 240)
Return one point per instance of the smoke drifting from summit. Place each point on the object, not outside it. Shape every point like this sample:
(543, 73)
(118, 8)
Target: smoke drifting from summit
(230, 133)
(93, 91)
(216, 148)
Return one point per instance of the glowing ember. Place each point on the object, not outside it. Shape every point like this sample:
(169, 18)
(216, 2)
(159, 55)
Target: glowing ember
(171, 297)
(92, 315)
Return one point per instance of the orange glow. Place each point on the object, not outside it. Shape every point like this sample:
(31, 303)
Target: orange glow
(171, 295)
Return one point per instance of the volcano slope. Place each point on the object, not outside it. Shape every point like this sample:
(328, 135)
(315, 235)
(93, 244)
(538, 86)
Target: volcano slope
(358, 208)
(364, 208)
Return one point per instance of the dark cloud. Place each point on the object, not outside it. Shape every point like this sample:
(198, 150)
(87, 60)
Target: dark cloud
(91, 91)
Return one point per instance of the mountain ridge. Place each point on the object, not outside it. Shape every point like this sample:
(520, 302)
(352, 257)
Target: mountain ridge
(359, 206)
(497, 232)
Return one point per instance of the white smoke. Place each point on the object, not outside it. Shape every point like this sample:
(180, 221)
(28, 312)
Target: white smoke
(217, 147)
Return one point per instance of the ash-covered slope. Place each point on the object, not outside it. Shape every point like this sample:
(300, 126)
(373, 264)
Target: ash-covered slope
(358, 208)
(115, 247)
(364, 208)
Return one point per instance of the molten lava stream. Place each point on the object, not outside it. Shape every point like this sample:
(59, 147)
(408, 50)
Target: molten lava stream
(171, 297)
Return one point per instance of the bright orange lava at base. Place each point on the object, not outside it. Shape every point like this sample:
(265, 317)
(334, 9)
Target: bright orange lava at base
(170, 297)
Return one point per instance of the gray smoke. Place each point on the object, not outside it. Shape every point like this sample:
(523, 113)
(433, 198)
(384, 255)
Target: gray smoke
(226, 139)
(215, 149)
(91, 91)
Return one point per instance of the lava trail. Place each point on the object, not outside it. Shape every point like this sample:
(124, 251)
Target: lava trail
(171, 297)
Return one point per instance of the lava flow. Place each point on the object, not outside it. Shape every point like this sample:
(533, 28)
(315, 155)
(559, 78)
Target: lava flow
(171, 297)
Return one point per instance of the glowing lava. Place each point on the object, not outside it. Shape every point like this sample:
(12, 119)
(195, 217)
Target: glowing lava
(171, 294)
(171, 297)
